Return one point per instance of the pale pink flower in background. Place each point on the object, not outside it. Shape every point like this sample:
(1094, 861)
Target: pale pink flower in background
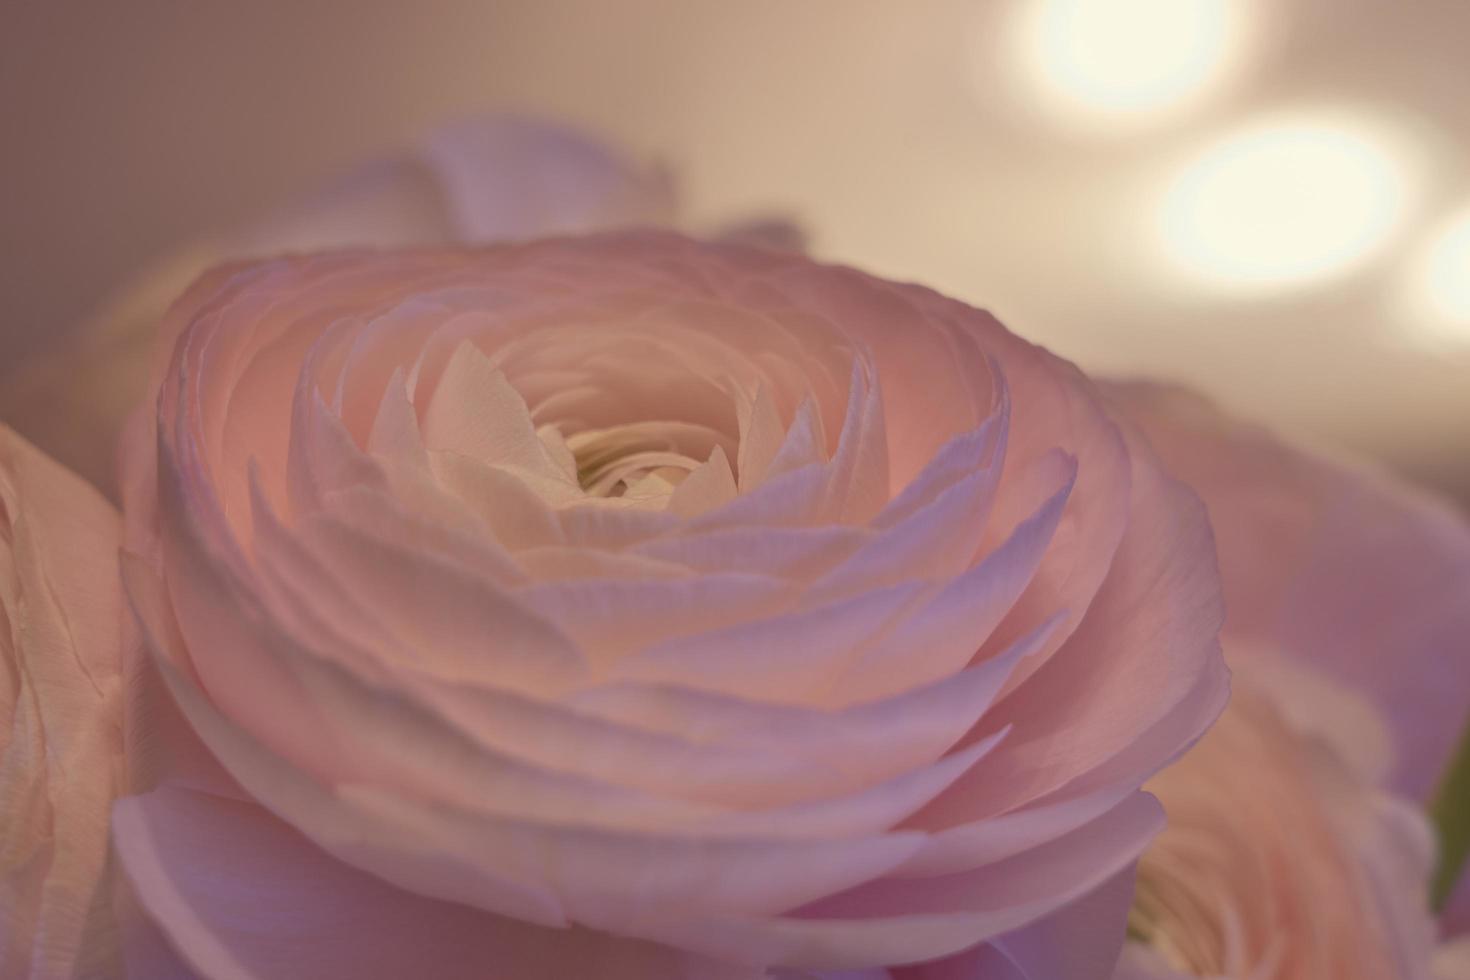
(1284, 857)
(1345, 575)
(1333, 564)
(60, 718)
(487, 179)
(630, 607)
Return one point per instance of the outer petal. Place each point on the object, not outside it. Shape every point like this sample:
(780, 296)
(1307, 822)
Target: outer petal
(912, 920)
(1347, 569)
(269, 904)
(243, 896)
(60, 716)
(1079, 942)
(1107, 705)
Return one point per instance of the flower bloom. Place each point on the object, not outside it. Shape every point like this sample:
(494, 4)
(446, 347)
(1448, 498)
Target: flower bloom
(1284, 857)
(60, 717)
(1335, 567)
(631, 607)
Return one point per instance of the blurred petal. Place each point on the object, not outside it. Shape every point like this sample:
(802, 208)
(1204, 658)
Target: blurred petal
(548, 180)
(1346, 569)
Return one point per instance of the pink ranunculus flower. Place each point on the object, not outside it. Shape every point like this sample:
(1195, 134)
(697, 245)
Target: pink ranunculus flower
(1284, 858)
(632, 607)
(1337, 567)
(60, 718)
(485, 179)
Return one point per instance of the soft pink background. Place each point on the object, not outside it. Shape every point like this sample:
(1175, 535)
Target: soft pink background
(130, 127)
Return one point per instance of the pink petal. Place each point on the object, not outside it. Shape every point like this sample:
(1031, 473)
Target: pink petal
(476, 412)
(798, 553)
(957, 623)
(859, 474)
(307, 804)
(511, 510)
(61, 705)
(395, 433)
(495, 860)
(1081, 941)
(633, 883)
(243, 896)
(785, 659)
(709, 486)
(805, 441)
(609, 618)
(761, 434)
(905, 921)
(1350, 570)
(508, 178)
(795, 753)
(869, 811)
(456, 622)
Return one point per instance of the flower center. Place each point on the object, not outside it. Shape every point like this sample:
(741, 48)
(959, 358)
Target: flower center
(1175, 919)
(635, 459)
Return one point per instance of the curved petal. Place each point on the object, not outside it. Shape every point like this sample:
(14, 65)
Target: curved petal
(1327, 561)
(243, 896)
(912, 920)
(61, 703)
(1081, 941)
(1141, 678)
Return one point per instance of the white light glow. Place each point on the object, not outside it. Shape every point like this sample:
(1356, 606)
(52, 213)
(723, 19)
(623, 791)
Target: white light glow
(1284, 202)
(1439, 286)
(1112, 59)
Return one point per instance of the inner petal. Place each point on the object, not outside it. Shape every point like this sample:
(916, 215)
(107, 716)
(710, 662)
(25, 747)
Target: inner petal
(610, 461)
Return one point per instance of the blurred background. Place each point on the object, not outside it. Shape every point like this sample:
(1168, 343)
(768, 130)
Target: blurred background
(1267, 199)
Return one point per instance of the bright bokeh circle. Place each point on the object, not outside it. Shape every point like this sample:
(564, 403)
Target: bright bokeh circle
(1103, 62)
(1438, 285)
(1283, 202)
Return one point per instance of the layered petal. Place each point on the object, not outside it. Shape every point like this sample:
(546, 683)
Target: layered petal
(1285, 858)
(698, 596)
(60, 717)
(247, 897)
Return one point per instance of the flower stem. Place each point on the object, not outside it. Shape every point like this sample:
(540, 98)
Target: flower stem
(1451, 815)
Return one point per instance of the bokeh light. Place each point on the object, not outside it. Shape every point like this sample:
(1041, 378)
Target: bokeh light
(1284, 202)
(1106, 61)
(1439, 286)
